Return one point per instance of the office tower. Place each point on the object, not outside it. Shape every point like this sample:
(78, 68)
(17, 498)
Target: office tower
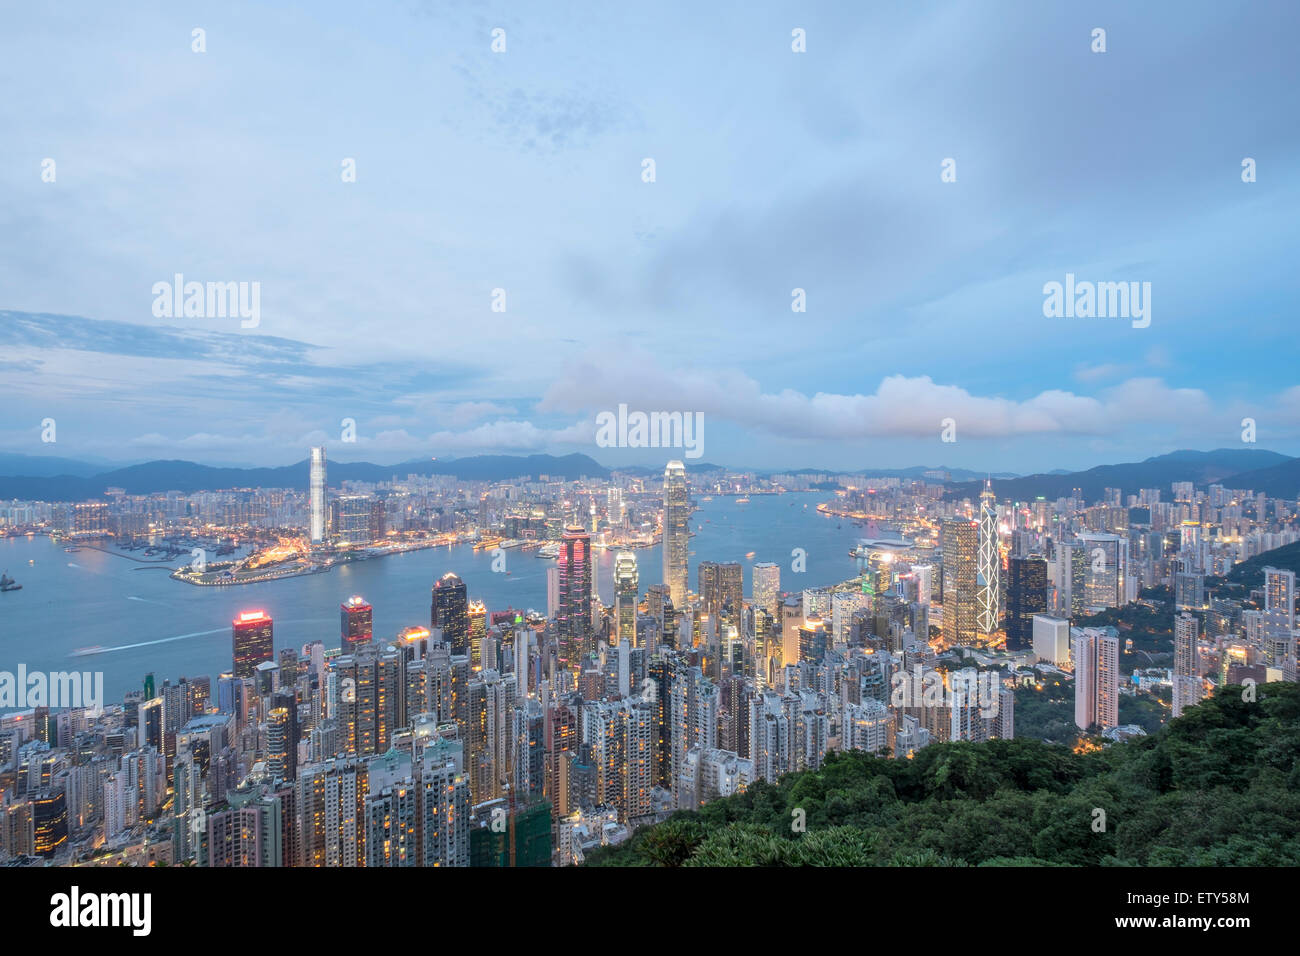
(449, 610)
(317, 495)
(1099, 572)
(478, 635)
(356, 520)
(626, 592)
(1189, 591)
(1187, 664)
(767, 587)
(720, 586)
(676, 532)
(1052, 639)
(251, 642)
(552, 592)
(573, 623)
(1096, 679)
(960, 581)
(562, 719)
(988, 571)
(355, 615)
(813, 640)
(371, 692)
(1026, 596)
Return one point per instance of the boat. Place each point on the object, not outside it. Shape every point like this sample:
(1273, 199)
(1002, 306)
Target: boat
(749, 554)
(8, 584)
(744, 500)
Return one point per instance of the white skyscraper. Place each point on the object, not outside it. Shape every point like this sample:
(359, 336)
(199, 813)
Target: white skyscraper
(766, 586)
(1096, 679)
(317, 489)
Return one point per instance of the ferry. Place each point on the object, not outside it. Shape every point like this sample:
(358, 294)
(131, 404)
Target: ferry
(8, 584)
(744, 500)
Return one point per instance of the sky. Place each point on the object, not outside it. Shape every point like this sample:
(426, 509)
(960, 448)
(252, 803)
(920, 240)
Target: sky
(524, 170)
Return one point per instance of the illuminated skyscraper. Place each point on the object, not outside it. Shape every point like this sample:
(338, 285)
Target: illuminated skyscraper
(317, 493)
(477, 612)
(355, 616)
(449, 610)
(573, 622)
(720, 585)
(989, 567)
(251, 642)
(676, 528)
(767, 586)
(960, 575)
(1187, 669)
(626, 593)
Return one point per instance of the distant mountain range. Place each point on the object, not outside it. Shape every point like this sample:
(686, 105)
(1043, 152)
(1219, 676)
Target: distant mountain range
(1247, 468)
(65, 479)
(186, 476)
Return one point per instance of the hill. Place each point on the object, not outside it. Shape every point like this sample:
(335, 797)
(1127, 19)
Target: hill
(1250, 573)
(1201, 467)
(1218, 786)
(1281, 480)
(187, 476)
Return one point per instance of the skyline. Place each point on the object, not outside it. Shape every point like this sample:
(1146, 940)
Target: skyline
(522, 171)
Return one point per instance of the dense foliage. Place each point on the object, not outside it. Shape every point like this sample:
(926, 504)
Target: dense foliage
(1218, 786)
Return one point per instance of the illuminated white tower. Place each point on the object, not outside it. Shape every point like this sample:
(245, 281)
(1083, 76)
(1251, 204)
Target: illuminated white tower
(988, 568)
(625, 597)
(317, 488)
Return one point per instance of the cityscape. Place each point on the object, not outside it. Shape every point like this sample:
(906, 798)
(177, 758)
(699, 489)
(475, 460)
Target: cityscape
(490, 436)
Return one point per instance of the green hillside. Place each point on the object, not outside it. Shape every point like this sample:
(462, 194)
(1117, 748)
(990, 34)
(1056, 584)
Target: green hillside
(1218, 786)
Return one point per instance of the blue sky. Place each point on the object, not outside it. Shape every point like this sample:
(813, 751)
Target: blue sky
(774, 170)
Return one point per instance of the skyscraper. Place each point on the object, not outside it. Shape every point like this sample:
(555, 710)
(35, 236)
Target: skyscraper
(317, 493)
(251, 642)
(720, 585)
(477, 612)
(625, 596)
(960, 576)
(573, 622)
(355, 618)
(767, 586)
(449, 610)
(989, 567)
(1026, 596)
(1187, 670)
(1096, 679)
(676, 532)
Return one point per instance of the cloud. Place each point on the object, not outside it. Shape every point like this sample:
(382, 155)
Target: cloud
(901, 406)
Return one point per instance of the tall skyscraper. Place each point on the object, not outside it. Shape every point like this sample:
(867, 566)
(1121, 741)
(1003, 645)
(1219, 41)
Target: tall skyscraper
(477, 612)
(1187, 663)
(720, 585)
(355, 618)
(1096, 679)
(449, 610)
(251, 642)
(626, 593)
(960, 577)
(1026, 596)
(988, 572)
(317, 495)
(767, 587)
(676, 532)
(573, 623)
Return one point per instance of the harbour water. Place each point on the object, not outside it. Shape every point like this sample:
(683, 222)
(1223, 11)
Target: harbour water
(135, 619)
